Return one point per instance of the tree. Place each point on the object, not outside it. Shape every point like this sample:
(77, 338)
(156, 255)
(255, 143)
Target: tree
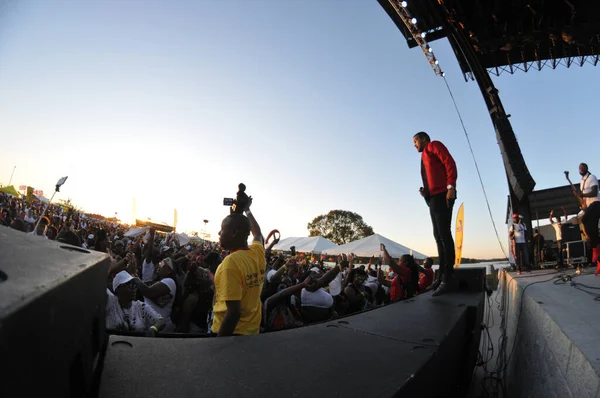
(340, 227)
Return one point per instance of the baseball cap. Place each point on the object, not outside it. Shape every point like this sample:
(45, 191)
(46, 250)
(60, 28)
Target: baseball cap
(121, 278)
(91, 236)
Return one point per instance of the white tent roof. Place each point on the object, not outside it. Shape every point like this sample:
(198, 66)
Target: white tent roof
(313, 244)
(370, 246)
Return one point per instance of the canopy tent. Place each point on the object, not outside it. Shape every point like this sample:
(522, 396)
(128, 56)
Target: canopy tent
(371, 246)
(10, 190)
(313, 244)
(42, 199)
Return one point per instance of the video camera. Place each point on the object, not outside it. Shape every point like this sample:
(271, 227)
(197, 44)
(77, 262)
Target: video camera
(238, 204)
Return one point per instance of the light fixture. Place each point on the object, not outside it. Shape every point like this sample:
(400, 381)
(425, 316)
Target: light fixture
(436, 62)
(443, 74)
(429, 49)
(414, 21)
(404, 4)
(423, 34)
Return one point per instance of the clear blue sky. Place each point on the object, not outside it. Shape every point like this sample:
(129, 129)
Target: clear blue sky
(313, 104)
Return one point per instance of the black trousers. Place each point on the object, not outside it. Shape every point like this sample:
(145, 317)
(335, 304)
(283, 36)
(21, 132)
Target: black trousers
(559, 258)
(590, 223)
(441, 218)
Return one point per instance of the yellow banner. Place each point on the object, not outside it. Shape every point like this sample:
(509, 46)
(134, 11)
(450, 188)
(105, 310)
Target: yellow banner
(458, 239)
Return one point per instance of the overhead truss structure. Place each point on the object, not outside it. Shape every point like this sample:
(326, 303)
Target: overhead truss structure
(509, 36)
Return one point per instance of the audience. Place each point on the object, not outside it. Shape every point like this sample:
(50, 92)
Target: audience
(155, 284)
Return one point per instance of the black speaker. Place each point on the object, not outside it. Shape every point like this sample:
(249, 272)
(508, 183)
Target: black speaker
(52, 316)
(467, 280)
(570, 232)
(576, 249)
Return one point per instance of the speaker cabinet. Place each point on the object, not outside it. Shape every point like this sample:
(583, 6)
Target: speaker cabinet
(52, 316)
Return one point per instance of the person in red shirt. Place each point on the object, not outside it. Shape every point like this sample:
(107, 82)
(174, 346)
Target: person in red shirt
(426, 276)
(406, 282)
(439, 174)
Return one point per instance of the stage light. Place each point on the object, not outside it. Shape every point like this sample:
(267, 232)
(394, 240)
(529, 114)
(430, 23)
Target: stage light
(443, 74)
(429, 49)
(423, 34)
(414, 21)
(436, 62)
(404, 4)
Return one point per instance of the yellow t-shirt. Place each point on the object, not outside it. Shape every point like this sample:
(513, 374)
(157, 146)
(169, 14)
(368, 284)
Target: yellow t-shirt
(240, 278)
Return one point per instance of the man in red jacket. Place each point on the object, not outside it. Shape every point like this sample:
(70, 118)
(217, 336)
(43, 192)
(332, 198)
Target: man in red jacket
(439, 174)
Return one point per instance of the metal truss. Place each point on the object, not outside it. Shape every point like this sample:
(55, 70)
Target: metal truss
(411, 23)
(566, 62)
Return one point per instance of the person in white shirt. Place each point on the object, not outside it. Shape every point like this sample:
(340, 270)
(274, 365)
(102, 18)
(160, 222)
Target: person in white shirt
(161, 295)
(591, 196)
(557, 225)
(123, 313)
(517, 234)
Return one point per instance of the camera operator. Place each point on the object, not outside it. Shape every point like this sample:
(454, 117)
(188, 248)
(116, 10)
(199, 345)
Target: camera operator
(239, 279)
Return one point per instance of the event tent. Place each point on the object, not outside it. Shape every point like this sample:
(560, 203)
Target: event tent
(10, 190)
(313, 244)
(370, 246)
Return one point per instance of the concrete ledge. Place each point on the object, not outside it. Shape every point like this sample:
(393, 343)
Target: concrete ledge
(557, 352)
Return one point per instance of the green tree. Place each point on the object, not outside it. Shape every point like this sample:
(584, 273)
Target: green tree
(340, 226)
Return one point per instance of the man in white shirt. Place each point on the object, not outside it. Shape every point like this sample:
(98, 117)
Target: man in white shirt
(516, 233)
(558, 230)
(589, 193)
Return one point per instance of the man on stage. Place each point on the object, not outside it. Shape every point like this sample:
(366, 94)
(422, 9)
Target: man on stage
(589, 193)
(439, 174)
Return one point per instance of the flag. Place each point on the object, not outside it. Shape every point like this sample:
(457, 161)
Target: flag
(29, 196)
(460, 224)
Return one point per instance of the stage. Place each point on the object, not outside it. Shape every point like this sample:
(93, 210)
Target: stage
(555, 319)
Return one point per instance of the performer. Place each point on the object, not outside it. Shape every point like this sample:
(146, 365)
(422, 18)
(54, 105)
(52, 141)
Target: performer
(439, 174)
(589, 192)
(558, 230)
(516, 233)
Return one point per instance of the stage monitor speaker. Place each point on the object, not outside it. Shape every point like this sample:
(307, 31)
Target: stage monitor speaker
(467, 280)
(52, 316)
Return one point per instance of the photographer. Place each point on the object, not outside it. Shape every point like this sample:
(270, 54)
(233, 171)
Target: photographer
(239, 278)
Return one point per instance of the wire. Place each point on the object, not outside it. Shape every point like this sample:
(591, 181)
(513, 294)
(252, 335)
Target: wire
(487, 202)
(494, 382)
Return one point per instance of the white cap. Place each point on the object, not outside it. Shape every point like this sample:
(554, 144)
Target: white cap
(168, 262)
(91, 236)
(120, 278)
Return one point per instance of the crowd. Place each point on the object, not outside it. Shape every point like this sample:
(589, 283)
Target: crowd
(156, 285)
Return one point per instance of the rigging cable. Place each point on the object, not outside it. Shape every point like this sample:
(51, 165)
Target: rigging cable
(476, 168)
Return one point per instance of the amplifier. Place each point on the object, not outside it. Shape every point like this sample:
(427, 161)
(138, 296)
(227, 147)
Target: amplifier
(570, 232)
(576, 252)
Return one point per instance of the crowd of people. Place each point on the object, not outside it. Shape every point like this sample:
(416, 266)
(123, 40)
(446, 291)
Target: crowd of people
(157, 285)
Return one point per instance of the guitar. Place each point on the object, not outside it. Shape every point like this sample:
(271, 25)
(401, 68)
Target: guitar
(582, 204)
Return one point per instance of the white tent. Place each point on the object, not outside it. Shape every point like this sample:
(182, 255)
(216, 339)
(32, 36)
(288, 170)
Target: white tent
(313, 244)
(371, 246)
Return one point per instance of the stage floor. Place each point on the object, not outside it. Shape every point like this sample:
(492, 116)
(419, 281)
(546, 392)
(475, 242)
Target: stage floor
(557, 349)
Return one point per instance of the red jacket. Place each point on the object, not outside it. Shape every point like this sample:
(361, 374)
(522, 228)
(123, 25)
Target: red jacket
(437, 168)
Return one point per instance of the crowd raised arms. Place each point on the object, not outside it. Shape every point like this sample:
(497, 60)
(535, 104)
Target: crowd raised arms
(156, 285)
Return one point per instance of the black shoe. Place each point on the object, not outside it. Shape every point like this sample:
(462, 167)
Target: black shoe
(434, 285)
(440, 290)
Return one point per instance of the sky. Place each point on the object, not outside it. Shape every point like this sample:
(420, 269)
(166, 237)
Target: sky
(312, 104)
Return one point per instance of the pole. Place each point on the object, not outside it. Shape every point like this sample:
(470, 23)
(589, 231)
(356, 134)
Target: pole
(11, 175)
(44, 212)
